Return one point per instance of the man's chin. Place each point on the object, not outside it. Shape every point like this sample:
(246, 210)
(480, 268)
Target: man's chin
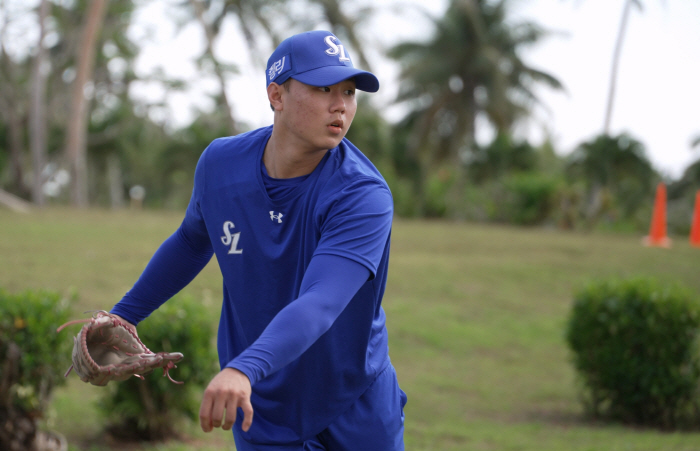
(337, 140)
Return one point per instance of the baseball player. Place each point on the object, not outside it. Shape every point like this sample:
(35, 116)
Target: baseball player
(300, 222)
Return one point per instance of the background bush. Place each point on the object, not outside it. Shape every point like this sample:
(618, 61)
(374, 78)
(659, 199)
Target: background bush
(151, 409)
(33, 359)
(634, 346)
(531, 198)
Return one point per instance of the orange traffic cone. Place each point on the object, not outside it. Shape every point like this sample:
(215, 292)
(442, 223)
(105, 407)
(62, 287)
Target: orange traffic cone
(657, 233)
(695, 228)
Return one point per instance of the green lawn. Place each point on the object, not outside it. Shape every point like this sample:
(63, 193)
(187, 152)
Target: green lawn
(475, 316)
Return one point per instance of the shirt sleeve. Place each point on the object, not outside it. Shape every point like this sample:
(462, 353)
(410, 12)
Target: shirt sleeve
(357, 223)
(174, 265)
(329, 283)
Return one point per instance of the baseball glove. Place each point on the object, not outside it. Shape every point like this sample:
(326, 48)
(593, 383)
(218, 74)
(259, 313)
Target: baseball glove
(107, 349)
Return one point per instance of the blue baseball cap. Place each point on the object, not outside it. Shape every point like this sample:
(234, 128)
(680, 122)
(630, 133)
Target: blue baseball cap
(316, 58)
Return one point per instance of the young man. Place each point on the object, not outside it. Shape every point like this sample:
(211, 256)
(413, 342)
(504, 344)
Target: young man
(300, 222)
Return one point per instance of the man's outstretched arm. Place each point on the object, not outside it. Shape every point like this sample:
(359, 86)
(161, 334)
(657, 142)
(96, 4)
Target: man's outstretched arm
(330, 282)
(176, 262)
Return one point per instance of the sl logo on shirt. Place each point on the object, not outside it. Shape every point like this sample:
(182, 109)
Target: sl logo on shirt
(231, 239)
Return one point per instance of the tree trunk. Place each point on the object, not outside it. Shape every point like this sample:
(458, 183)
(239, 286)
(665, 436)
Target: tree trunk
(16, 137)
(76, 147)
(13, 202)
(420, 145)
(466, 119)
(37, 113)
(209, 35)
(338, 19)
(615, 64)
(11, 109)
(116, 184)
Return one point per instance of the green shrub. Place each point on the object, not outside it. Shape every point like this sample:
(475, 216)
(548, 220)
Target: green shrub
(531, 198)
(634, 346)
(436, 193)
(151, 409)
(401, 190)
(33, 360)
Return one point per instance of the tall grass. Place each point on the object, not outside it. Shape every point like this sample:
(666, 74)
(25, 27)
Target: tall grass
(475, 316)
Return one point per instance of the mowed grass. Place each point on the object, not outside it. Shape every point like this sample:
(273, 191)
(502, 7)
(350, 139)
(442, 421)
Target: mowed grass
(476, 317)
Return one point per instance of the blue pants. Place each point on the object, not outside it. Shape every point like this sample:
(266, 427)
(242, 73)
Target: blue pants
(373, 423)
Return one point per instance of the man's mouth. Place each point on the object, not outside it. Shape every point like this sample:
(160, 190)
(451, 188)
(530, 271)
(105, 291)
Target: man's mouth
(336, 126)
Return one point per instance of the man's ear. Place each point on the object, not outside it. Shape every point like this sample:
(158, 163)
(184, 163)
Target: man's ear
(274, 95)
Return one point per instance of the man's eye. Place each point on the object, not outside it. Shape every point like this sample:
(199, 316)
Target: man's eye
(325, 89)
(350, 92)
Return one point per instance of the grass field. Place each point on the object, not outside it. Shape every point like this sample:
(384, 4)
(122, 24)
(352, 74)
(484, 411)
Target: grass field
(475, 316)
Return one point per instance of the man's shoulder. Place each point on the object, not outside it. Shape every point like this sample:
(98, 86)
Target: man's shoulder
(354, 167)
(350, 176)
(242, 142)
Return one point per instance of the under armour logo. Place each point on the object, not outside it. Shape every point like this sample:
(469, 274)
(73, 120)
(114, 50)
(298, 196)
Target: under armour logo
(278, 217)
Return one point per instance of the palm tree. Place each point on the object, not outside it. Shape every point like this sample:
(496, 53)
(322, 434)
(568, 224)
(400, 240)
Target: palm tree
(695, 142)
(76, 135)
(258, 19)
(12, 104)
(37, 112)
(345, 26)
(616, 60)
(211, 30)
(470, 66)
(612, 168)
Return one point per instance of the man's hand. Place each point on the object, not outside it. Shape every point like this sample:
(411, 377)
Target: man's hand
(228, 390)
(128, 325)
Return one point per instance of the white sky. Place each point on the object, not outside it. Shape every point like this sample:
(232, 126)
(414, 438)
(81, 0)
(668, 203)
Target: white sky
(658, 88)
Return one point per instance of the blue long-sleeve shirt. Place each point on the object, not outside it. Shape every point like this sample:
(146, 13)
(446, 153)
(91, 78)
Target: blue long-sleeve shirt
(304, 264)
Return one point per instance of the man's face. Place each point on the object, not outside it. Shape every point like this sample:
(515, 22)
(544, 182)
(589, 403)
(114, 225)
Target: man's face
(318, 117)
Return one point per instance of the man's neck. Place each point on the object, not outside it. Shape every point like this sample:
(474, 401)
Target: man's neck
(284, 160)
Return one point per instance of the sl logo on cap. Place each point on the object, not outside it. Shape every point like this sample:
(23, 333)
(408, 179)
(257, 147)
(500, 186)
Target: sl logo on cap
(335, 49)
(277, 68)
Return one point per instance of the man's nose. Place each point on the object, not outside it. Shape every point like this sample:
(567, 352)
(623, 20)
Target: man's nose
(338, 103)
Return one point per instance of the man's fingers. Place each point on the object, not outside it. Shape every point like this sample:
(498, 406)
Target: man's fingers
(228, 390)
(230, 417)
(217, 411)
(211, 415)
(247, 408)
(205, 413)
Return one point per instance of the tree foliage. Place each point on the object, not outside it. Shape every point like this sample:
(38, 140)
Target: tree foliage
(615, 172)
(471, 66)
(470, 69)
(33, 358)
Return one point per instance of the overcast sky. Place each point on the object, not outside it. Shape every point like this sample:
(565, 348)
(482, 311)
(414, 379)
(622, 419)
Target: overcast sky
(658, 93)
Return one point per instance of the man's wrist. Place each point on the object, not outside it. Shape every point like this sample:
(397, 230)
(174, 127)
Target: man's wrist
(247, 372)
